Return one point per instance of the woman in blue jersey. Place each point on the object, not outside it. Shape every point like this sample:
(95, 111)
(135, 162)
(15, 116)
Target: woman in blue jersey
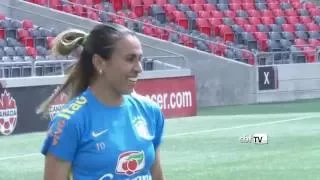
(105, 131)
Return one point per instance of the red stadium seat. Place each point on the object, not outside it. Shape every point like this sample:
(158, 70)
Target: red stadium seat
(196, 7)
(250, 28)
(305, 19)
(226, 32)
(267, 20)
(274, 5)
(27, 24)
(297, 5)
(209, 7)
(131, 15)
(137, 7)
(267, 13)
(314, 12)
(313, 27)
(291, 12)
(180, 19)
(215, 23)
(203, 26)
(310, 5)
(147, 5)
(161, 33)
(310, 53)
(31, 51)
(235, 1)
(88, 3)
(148, 30)
(200, 1)
(254, 20)
(76, 1)
(314, 42)
(217, 48)
(235, 6)
(161, 2)
(241, 21)
(99, 7)
(117, 4)
(187, 41)
(78, 10)
(288, 28)
(204, 14)
(230, 14)
(55, 4)
(168, 8)
(92, 15)
(293, 20)
(249, 1)
(67, 8)
(22, 33)
(2, 17)
(217, 14)
(254, 13)
(249, 56)
(41, 2)
(2, 34)
(186, 1)
(50, 41)
(262, 39)
(27, 41)
(248, 6)
(300, 42)
(278, 12)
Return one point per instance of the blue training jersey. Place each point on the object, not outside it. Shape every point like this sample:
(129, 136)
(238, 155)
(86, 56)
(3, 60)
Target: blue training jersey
(104, 142)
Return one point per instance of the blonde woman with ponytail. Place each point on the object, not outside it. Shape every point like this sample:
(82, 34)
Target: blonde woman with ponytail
(105, 131)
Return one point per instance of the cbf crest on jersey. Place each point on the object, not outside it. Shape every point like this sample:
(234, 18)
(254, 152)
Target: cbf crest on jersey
(141, 128)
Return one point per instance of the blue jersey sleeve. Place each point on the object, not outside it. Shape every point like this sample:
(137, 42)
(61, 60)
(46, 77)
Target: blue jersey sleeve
(62, 139)
(159, 118)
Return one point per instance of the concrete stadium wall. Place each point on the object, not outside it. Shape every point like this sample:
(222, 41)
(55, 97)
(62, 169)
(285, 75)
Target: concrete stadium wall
(295, 81)
(219, 81)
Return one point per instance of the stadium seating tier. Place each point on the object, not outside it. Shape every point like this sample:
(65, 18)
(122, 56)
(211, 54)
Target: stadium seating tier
(230, 28)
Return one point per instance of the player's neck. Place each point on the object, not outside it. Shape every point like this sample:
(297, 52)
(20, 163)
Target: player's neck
(107, 96)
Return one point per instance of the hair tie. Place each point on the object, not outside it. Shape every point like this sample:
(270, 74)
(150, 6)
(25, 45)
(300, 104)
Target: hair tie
(84, 41)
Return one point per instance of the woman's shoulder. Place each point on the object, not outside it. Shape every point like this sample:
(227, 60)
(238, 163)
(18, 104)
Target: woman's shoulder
(143, 101)
(74, 108)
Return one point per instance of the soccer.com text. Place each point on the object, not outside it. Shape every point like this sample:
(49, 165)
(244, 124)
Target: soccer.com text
(175, 100)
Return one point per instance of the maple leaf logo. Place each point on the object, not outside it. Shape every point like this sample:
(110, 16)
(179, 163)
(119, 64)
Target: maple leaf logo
(8, 113)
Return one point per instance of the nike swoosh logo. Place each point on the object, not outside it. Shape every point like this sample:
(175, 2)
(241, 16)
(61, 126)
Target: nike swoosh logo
(97, 134)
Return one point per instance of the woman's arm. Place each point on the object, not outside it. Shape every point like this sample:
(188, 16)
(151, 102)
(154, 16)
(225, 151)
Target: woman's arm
(156, 170)
(56, 169)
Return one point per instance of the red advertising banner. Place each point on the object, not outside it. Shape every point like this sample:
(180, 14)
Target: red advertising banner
(176, 96)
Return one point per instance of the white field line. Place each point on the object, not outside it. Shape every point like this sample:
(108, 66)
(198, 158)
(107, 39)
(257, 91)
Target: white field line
(238, 127)
(189, 133)
(243, 116)
(18, 156)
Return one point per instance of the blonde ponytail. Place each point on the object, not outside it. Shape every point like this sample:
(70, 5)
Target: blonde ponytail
(64, 44)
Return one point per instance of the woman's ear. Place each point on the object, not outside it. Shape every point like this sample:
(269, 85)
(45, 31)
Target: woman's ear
(98, 63)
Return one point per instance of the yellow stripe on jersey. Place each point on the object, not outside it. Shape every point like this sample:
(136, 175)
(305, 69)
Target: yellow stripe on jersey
(70, 176)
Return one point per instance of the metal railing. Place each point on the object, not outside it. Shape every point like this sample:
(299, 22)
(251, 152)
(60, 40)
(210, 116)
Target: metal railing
(60, 66)
(34, 68)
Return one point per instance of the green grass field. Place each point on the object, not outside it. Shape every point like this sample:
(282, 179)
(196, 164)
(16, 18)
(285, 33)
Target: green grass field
(207, 147)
